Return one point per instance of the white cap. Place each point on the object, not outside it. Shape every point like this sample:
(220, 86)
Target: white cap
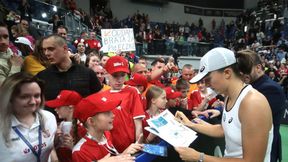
(25, 41)
(215, 59)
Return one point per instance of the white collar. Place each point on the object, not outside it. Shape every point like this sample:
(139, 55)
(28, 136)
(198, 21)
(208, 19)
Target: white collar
(16, 123)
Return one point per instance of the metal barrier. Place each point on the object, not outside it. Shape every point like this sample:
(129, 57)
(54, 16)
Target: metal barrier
(43, 12)
(166, 47)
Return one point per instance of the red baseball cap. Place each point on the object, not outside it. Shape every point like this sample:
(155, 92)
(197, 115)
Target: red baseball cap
(93, 104)
(171, 94)
(137, 79)
(65, 98)
(117, 64)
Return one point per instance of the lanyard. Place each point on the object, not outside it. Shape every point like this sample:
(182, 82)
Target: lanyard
(37, 154)
(105, 144)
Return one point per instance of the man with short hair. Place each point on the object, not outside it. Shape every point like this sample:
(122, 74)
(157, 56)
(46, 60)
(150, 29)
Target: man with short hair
(9, 62)
(142, 60)
(63, 73)
(272, 91)
(63, 32)
(187, 74)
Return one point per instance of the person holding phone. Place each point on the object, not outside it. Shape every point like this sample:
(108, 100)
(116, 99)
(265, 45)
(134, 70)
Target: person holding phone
(246, 120)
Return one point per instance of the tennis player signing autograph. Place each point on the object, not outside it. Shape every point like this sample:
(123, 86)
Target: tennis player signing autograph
(247, 119)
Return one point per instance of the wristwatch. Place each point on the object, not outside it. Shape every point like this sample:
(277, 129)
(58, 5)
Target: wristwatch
(201, 159)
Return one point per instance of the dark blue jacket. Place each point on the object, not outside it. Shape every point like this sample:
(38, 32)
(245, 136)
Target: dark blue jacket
(276, 98)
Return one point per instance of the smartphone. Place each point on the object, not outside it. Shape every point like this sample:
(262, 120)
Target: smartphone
(155, 150)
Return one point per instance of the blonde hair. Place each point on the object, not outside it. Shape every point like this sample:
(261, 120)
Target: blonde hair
(153, 92)
(10, 88)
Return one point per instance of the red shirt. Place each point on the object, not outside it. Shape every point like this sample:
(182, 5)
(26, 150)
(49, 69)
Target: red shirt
(88, 150)
(144, 102)
(94, 44)
(145, 124)
(123, 132)
(196, 99)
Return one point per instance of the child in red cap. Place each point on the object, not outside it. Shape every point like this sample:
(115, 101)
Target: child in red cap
(140, 82)
(64, 105)
(172, 96)
(128, 117)
(95, 112)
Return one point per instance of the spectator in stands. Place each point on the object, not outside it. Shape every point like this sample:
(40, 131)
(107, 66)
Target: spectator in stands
(104, 59)
(128, 118)
(247, 118)
(24, 46)
(183, 87)
(24, 125)
(187, 74)
(93, 42)
(56, 21)
(200, 99)
(140, 69)
(255, 76)
(283, 70)
(92, 60)
(142, 60)
(95, 112)
(158, 65)
(10, 63)
(31, 29)
(81, 48)
(63, 32)
(272, 76)
(77, 77)
(173, 97)
(140, 82)
(37, 61)
(101, 73)
(19, 31)
(25, 10)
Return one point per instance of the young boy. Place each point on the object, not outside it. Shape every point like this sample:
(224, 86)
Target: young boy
(128, 116)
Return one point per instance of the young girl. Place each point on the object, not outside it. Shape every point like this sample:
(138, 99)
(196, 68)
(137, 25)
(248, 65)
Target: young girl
(92, 60)
(95, 112)
(64, 105)
(156, 101)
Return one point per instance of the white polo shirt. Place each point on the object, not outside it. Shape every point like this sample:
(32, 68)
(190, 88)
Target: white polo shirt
(19, 151)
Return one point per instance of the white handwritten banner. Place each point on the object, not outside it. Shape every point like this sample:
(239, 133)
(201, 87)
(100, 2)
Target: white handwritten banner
(118, 39)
